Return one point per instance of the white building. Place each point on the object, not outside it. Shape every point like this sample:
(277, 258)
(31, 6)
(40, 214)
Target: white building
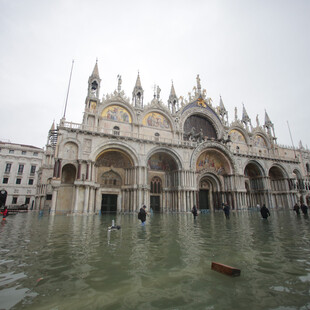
(18, 171)
(127, 152)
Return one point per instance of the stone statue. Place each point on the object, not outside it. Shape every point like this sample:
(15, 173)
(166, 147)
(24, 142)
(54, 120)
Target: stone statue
(198, 82)
(119, 86)
(236, 114)
(158, 92)
(257, 121)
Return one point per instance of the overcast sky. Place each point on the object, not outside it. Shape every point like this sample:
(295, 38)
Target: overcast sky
(251, 52)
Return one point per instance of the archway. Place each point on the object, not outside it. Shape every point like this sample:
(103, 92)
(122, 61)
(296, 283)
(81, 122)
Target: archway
(278, 187)
(3, 195)
(164, 179)
(254, 184)
(116, 177)
(196, 125)
(213, 168)
(210, 197)
(68, 174)
(297, 186)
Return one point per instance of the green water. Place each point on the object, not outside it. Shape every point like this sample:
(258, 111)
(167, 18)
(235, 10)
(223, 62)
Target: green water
(65, 262)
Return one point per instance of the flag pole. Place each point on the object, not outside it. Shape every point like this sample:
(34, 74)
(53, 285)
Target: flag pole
(68, 89)
(288, 125)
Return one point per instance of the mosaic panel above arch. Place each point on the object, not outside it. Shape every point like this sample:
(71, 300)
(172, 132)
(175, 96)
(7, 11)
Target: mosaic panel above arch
(161, 162)
(113, 158)
(236, 136)
(157, 120)
(116, 113)
(213, 161)
(259, 141)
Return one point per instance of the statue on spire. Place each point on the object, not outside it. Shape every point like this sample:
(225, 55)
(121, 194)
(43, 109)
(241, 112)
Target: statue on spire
(119, 86)
(198, 84)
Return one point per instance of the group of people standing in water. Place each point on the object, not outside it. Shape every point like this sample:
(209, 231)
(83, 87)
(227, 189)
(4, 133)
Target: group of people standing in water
(303, 208)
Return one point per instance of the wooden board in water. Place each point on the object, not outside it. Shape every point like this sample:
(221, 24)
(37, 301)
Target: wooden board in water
(228, 270)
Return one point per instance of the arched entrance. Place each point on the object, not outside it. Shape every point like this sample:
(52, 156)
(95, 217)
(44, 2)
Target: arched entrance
(278, 187)
(66, 190)
(3, 195)
(297, 186)
(116, 177)
(209, 193)
(163, 179)
(254, 184)
(213, 168)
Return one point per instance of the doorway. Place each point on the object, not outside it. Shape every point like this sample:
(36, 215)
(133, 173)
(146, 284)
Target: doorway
(155, 203)
(3, 195)
(108, 203)
(204, 199)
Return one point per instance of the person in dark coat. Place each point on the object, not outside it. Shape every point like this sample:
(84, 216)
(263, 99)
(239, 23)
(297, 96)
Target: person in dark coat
(304, 209)
(142, 215)
(296, 209)
(264, 212)
(194, 211)
(226, 210)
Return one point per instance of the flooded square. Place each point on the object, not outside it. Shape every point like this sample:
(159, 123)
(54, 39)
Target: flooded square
(75, 262)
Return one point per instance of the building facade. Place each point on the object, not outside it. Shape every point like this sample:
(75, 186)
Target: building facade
(19, 165)
(126, 153)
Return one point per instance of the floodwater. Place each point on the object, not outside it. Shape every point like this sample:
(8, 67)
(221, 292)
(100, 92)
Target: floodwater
(66, 262)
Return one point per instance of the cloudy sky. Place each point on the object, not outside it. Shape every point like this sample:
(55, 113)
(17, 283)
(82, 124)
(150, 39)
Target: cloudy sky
(251, 52)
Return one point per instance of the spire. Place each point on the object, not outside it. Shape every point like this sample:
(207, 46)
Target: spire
(221, 110)
(52, 135)
(269, 125)
(245, 117)
(94, 83)
(137, 94)
(268, 122)
(95, 71)
(173, 100)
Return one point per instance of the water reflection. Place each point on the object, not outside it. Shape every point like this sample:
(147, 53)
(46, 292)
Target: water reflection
(65, 262)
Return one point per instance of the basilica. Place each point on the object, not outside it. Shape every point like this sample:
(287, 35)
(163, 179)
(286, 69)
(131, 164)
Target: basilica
(168, 156)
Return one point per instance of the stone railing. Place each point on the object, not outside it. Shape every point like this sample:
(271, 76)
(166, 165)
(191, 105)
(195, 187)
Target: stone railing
(170, 141)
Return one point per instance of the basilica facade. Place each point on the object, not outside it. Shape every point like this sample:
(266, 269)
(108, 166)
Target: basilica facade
(170, 157)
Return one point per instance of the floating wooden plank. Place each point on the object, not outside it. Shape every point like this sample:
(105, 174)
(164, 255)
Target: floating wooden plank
(228, 270)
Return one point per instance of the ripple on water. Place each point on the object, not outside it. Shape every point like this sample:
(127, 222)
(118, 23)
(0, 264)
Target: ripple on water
(164, 265)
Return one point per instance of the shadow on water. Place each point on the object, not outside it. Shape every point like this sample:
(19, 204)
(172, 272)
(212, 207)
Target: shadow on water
(66, 262)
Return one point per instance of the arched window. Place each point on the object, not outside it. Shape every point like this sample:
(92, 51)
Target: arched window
(116, 130)
(156, 185)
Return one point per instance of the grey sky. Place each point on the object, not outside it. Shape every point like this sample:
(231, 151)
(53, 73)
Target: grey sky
(255, 52)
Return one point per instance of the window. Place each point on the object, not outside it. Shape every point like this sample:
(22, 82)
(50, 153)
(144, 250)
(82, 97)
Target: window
(157, 136)
(18, 181)
(156, 185)
(48, 197)
(11, 151)
(20, 169)
(24, 152)
(30, 182)
(5, 180)
(32, 170)
(14, 200)
(116, 131)
(8, 168)
(35, 153)
(27, 200)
